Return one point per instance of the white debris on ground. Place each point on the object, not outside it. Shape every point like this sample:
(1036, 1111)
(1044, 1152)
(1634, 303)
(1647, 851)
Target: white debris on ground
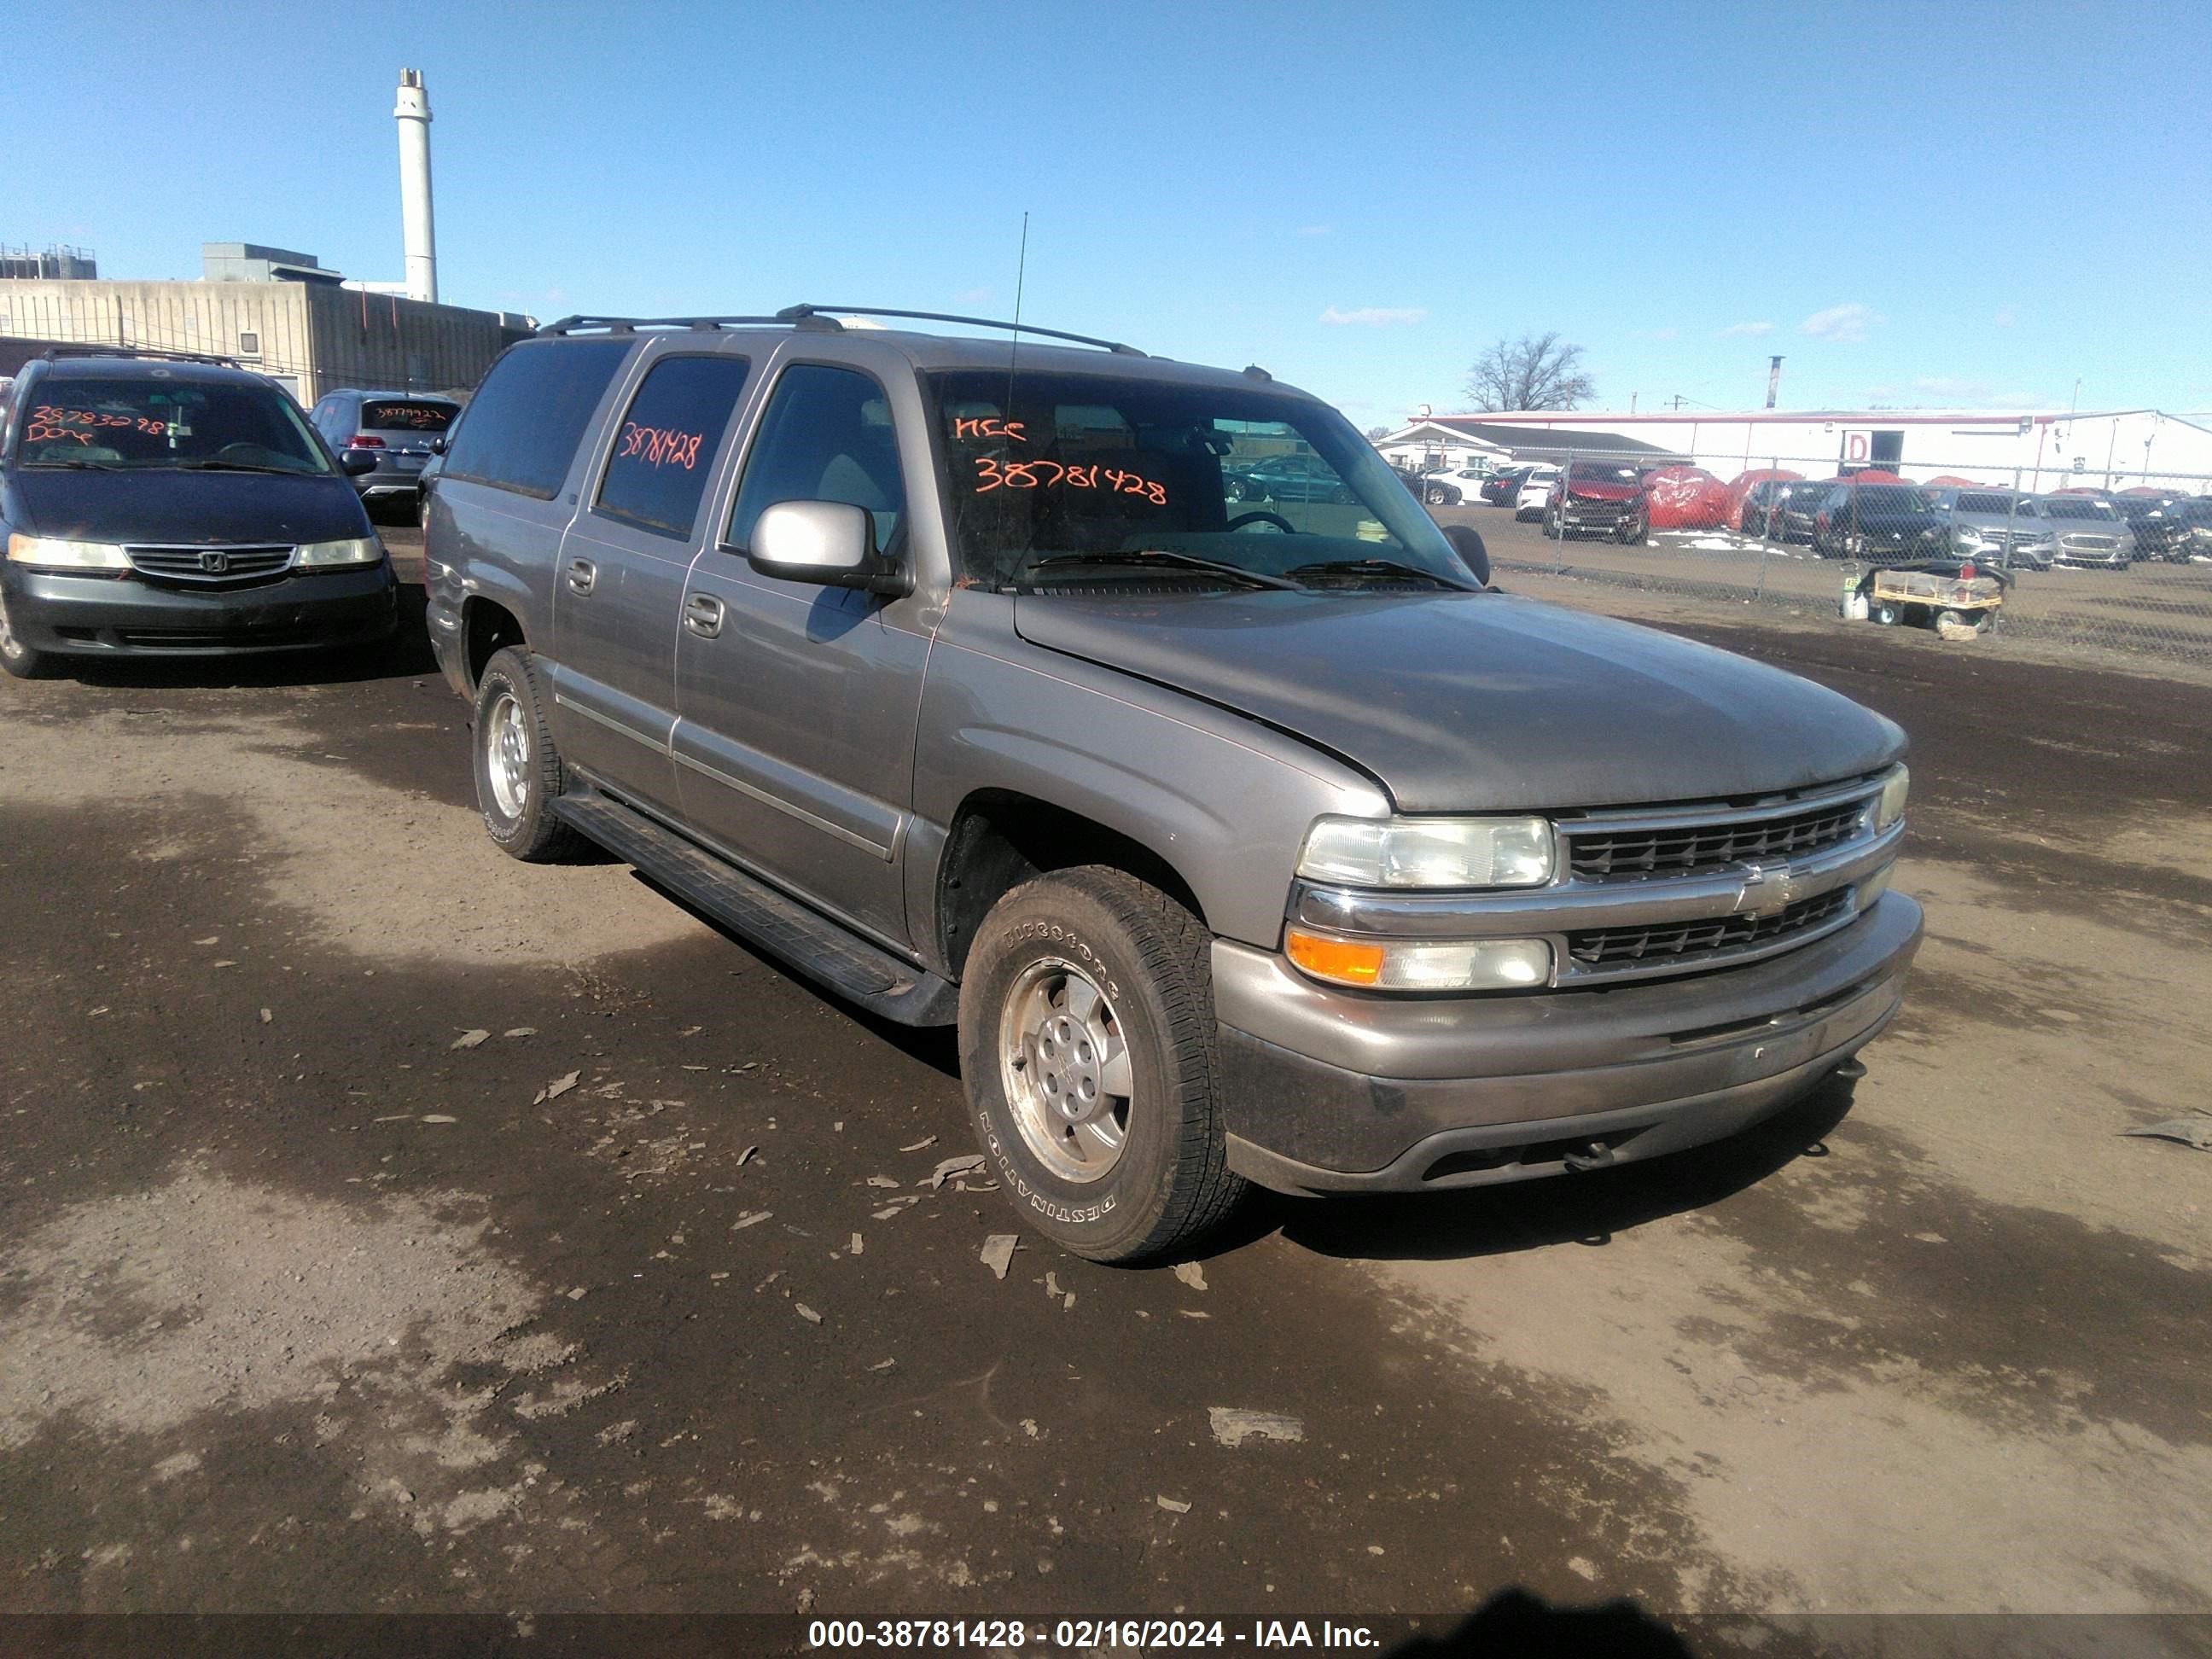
(998, 1253)
(1233, 1426)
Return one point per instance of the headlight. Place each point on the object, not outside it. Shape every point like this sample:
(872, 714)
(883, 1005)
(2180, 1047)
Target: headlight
(1498, 964)
(52, 553)
(1968, 535)
(325, 556)
(1429, 852)
(1891, 806)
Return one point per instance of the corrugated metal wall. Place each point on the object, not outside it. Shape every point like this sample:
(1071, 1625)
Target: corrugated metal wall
(313, 338)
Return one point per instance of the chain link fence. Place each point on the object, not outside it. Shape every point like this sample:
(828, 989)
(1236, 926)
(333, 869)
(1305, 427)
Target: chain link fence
(2124, 567)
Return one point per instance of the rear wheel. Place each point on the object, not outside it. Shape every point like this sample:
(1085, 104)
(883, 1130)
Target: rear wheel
(17, 658)
(519, 773)
(1888, 614)
(1087, 1046)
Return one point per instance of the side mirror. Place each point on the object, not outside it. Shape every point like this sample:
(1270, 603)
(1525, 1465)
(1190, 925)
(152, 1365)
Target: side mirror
(1467, 541)
(354, 462)
(438, 445)
(829, 544)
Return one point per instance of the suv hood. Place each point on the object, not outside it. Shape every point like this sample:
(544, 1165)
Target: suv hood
(1598, 490)
(1482, 702)
(188, 508)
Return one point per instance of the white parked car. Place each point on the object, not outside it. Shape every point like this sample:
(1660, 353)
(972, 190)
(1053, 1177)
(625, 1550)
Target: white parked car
(1536, 493)
(1457, 481)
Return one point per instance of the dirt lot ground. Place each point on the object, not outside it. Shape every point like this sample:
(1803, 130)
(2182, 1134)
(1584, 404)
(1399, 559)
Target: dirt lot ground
(2152, 612)
(644, 1301)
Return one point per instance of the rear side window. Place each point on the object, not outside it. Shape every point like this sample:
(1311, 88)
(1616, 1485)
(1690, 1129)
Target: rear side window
(524, 424)
(826, 437)
(664, 446)
(389, 415)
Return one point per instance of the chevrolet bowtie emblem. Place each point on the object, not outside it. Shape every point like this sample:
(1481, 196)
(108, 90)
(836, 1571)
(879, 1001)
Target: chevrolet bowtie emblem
(1768, 889)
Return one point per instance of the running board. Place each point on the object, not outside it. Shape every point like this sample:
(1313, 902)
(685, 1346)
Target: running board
(827, 953)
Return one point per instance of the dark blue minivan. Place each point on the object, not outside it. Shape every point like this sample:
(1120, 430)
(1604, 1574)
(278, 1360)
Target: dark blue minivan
(171, 508)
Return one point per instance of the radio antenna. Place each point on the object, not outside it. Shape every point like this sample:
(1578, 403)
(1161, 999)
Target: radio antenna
(1021, 273)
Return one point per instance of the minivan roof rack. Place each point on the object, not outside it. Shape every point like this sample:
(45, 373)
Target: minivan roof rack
(53, 353)
(801, 312)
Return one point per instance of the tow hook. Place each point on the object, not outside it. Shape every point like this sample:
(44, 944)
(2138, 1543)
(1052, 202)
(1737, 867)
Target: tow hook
(1595, 1155)
(1851, 1070)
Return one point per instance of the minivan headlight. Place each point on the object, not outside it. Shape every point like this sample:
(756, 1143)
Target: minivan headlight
(53, 553)
(1891, 806)
(1429, 852)
(327, 555)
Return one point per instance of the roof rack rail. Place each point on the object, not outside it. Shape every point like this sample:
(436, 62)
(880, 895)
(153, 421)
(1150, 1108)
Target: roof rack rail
(801, 312)
(632, 325)
(93, 349)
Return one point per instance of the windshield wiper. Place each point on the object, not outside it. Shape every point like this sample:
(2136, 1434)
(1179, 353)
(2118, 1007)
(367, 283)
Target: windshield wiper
(1389, 568)
(80, 466)
(1162, 558)
(213, 465)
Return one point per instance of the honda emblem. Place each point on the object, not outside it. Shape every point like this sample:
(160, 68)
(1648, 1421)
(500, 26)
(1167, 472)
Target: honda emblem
(215, 563)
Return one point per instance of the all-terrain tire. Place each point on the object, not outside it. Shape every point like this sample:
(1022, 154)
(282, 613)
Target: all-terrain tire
(1150, 960)
(511, 710)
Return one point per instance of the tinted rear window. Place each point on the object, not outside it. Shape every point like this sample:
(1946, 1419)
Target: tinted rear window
(664, 446)
(521, 430)
(407, 417)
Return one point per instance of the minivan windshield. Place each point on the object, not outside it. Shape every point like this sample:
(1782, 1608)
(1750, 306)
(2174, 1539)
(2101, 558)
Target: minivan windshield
(1067, 478)
(146, 424)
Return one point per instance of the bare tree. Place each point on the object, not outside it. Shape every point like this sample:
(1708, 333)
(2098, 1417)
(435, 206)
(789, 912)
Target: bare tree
(1537, 370)
(1376, 433)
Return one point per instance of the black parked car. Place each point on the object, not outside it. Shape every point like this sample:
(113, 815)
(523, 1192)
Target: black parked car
(396, 430)
(1286, 478)
(1787, 515)
(2176, 528)
(1881, 523)
(168, 508)
(1503, 488)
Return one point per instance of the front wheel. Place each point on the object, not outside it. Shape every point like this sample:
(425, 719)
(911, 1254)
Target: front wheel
(1087, 1047)
(519, 773)
(17, 658)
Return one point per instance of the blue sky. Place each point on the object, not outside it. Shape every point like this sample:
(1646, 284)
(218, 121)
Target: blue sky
(1931, 204)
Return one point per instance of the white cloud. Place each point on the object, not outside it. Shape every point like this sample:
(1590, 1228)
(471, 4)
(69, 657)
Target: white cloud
(1375, 316)
(1844, 324)
(1751, 330)
(1315, 230)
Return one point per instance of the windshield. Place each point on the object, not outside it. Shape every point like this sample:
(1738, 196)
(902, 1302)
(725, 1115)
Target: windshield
(407, 417)
(1606, 472)
(1077, 467)
(147, 424)
(1889, 498)
(1996, 506)
(2077, 506)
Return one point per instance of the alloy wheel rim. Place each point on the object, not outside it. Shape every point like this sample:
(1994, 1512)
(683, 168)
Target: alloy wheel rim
(506, 756)
(1064, 1063)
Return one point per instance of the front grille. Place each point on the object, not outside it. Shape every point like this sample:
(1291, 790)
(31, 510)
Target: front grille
(1601, 854)
(234, 566)
(2090, 544)
(1678, 943)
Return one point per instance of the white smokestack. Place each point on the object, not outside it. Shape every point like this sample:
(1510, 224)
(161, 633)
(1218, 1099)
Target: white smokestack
(420, 224)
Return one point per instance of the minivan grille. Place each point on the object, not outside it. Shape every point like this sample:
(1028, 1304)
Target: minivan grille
(1600, 854)
(211, 567)
(1674, 942)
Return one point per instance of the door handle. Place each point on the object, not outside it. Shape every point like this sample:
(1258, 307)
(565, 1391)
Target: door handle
(703, 614)
(582, 572)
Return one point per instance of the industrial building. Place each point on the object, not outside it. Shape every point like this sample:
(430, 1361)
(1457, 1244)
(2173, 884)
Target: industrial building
(275, 309)
(2038, 449)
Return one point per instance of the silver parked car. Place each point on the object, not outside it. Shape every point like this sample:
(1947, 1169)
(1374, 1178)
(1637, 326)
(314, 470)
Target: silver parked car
(2088, 531)
(397, 430)
(1999, 527)
(1241, 842)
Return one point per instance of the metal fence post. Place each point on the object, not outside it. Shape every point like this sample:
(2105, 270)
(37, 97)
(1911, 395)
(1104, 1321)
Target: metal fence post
(1765, 534)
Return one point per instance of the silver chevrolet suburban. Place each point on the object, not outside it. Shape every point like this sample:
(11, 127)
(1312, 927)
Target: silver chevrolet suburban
(1246, 834)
